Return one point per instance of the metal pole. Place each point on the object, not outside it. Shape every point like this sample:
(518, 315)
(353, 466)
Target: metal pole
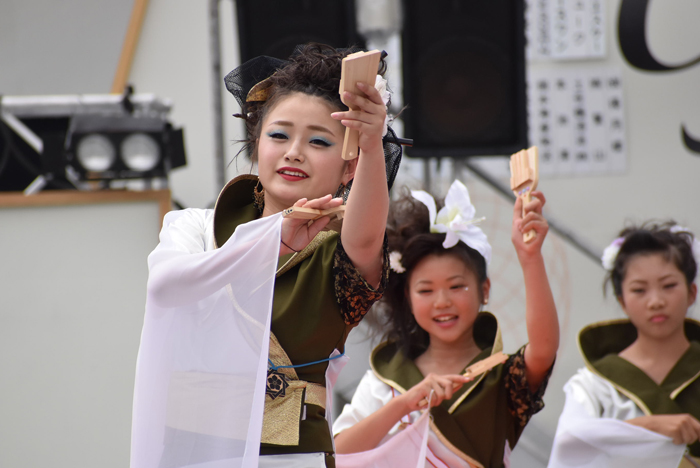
(216, 77)
(556, 226)
(427, 180)
(138, 13)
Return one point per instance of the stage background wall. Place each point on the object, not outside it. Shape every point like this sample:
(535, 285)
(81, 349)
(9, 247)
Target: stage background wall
(71, 47)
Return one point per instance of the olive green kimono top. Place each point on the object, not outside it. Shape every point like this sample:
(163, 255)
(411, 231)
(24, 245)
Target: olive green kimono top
(318, 298)
(486, 415)
(600, 344)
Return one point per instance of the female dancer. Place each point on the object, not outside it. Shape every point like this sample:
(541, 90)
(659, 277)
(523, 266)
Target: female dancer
(639, 393)
(437, 286)
(246, 310)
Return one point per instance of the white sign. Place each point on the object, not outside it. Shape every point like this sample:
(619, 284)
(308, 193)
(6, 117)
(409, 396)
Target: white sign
(565, 29)
(576, 119)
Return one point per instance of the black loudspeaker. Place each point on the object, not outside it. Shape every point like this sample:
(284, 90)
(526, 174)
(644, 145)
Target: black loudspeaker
(464, 77)
(275, 27)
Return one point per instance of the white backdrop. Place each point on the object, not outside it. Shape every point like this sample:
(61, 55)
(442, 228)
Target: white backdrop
(73, 287)
(660, 180)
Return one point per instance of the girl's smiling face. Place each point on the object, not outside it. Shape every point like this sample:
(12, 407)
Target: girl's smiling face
(445, 297)
(655, 296)
(298, 152)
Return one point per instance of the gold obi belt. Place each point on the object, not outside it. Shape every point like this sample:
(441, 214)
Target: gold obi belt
(285, 398)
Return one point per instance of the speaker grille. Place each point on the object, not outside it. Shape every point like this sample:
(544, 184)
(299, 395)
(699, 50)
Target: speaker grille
(464, 77)
(275, 27)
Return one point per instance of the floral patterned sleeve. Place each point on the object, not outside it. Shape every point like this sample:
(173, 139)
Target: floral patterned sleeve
(354, 294)
(522, 402)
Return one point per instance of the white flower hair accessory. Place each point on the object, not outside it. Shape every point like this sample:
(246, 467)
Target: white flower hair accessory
(610, 253)
(395, 262)
(456, 219)
(696, 243)
(381, 85)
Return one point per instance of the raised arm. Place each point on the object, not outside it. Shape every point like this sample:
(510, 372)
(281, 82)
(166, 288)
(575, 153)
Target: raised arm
(368, 204)
(540, 311)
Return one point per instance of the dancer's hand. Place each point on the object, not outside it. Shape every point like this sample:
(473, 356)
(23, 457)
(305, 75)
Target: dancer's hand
(297, 233)
(684, 429)
(368, 120)
(533, 219)
(444, 387)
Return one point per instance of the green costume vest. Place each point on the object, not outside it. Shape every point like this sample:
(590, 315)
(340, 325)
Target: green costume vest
(600, 344)
(476, 423)
(306, 317)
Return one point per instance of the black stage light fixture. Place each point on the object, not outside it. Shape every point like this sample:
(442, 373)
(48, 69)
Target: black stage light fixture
(24, 156)
(86, 142)
(464, 77)
(105, 148)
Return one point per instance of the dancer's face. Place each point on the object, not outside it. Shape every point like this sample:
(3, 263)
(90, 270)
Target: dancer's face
(655, 295)
(445, 297)
(298, 151)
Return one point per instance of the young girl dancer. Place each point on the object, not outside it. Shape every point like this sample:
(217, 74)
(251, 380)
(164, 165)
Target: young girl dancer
(437, 286)
(247, 311)
(639, 393)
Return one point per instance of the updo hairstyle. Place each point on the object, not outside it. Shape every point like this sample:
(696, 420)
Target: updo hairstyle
(653, 238)
(313, 69)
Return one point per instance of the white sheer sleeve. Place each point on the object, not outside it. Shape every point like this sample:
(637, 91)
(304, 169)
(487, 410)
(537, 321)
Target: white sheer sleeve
(184, 267)
(592, 433)
(371, 395)
(409, 443)
(201, 369)
(407, 449)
